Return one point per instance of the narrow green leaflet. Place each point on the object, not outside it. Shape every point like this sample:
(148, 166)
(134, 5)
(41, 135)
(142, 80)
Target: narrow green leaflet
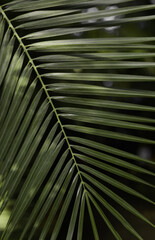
(115, 183)
(104, 114)
(92, 76)
(84, 89)
(64, 209)
(45, 193)
(12, 151)
(109, 149)
(55, 196)
(81, 218)
(74, 215)
(79, 17)
(112, 160)
(108, 134)
(59, 47)
(104, 103)
(2, 27)
(95, 231)
(113, 211)
(107, 122)
(18, 168)
(30, 190)
(41, 4)
(20, 92)
(5, 53)
(55, 32)
(58, 201)
(42, 14)
(87, 44)
(97, 65)
(115, 233)
(116, 198)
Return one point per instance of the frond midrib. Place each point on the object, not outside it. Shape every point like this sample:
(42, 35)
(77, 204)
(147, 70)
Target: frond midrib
(45, 90)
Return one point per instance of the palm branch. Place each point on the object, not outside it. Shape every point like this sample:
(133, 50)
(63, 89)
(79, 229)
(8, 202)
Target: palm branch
(58, 122)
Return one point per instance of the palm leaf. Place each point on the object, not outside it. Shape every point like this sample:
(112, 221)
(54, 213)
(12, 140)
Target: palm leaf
(56, 163)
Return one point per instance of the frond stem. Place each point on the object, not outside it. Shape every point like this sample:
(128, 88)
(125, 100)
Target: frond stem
(44, 87)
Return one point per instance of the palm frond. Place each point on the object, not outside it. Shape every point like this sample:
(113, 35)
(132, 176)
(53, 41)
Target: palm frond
(57, 162)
